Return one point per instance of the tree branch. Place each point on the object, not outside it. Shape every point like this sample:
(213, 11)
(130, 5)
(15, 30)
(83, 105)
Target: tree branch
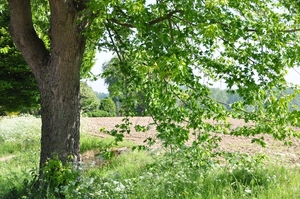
(114, 45)
(80, 5)
(114, 20)
(188, 22)
(291, 30)
(167, 16)
(121, 11)
(251, 30)
(85, 16)
(119, 39)
(178, 28)
(25, 37)
(171, 30)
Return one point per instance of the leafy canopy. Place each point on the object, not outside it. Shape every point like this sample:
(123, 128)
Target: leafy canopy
(166, 48)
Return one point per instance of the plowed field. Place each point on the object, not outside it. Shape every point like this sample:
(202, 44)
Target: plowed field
(275, 149)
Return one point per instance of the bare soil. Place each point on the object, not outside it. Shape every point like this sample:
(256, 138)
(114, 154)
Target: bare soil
(6, 158)
(276, 150)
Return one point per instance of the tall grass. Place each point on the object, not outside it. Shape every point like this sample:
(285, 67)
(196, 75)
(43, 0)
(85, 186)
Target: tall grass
(138, 175)
(274, 181)
(142, 174)
(19, 137)
(19, 134)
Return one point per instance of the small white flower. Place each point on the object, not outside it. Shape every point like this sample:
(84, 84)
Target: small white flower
(91, 180)
(105, 184)
(247, 190)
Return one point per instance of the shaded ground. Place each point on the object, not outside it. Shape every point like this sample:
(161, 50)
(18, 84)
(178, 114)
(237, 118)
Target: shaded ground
(275, 149)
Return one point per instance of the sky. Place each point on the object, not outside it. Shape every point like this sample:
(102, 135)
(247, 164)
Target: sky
(99, 86)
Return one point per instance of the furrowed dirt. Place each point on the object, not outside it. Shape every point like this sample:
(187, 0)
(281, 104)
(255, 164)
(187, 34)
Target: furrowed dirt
(276, 150)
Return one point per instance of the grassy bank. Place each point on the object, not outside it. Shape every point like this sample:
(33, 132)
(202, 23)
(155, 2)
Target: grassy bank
(140, 174)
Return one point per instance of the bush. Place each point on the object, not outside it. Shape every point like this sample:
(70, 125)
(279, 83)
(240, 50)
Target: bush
(108, 105)
(99, 113)
(89, 101)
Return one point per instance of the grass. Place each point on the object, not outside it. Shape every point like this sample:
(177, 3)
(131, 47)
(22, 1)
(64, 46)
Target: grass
(90, 142)
(141, 174)
(19, 134)
(272, 182)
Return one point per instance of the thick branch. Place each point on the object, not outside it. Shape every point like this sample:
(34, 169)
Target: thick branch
(63, 25)
(24, 35)
(65, 32)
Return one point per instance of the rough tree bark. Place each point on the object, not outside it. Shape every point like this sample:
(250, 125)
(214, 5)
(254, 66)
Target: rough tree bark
(56, 71)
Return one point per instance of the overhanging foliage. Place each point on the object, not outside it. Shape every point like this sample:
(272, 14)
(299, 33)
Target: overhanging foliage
(165, 50)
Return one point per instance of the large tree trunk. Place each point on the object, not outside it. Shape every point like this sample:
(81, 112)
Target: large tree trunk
(60, 113)
(57, 73)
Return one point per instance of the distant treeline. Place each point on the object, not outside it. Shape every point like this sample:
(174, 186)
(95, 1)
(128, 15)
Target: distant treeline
(102, 95)
(228, 98)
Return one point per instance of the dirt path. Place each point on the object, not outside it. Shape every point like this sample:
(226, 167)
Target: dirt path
(275, 149)
(6, 158)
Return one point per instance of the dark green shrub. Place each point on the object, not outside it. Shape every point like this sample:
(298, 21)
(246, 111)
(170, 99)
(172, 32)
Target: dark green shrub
(89, 101)
(99, 113)
(108, 105)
